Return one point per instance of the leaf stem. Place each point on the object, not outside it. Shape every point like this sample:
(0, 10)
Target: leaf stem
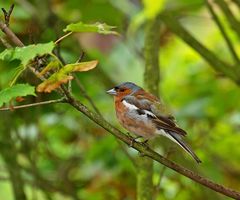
(62, 38)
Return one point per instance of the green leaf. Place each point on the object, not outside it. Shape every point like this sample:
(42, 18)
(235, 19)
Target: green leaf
(27, 53)
(62, 76)
(101, 28)
(15, 91)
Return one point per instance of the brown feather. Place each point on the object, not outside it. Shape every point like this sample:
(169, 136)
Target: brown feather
(162, 125)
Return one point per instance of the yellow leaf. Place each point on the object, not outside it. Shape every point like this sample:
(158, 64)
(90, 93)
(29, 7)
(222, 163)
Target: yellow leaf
(80, 67)
(50, 84)
(62, 76)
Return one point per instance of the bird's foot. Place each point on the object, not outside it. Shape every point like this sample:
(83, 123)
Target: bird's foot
(128, 134)
(145, 141)
(133, 139)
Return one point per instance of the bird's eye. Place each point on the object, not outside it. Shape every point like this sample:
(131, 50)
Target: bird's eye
(116, 88)
(121, 89)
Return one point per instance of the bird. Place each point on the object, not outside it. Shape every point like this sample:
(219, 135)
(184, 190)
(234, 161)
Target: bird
(144, 115)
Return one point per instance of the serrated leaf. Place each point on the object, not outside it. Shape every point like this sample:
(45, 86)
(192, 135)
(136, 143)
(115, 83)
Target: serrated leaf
(101, 28)
(27, 53)
(15, 91)
(62, 76)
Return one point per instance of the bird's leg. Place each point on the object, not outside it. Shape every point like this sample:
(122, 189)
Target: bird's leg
(145, 141)
(129, 135)
(133, 139)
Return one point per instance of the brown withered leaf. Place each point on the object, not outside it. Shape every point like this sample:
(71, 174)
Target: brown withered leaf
(51, 84)
(62, 76)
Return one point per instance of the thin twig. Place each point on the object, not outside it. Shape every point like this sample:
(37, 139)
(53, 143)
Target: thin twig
(62, 100)
(233, 21)
(63, 37)
(222, 30)
(10, 34)
(83, 90)
(7, 14)
(81, 57)
(57, 52)
(217, 63)
(237, 2)
(5, 43)
(84, 94)
(147, 151)
(142, 148)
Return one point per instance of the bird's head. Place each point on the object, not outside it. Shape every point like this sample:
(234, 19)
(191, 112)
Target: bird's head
(123, 89)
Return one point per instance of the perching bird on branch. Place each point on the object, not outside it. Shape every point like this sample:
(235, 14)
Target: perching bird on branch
(144, 115)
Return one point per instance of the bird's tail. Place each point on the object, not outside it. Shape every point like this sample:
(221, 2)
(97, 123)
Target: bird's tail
(181, 143)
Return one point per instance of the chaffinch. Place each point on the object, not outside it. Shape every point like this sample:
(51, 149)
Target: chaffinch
(144, 115)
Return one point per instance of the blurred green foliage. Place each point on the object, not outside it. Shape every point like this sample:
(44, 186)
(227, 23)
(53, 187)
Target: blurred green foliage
(60, 154)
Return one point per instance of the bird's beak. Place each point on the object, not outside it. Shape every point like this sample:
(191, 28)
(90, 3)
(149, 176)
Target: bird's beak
(112, 92)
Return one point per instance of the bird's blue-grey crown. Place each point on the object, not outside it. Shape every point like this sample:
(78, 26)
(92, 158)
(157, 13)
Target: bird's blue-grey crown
(129, 85)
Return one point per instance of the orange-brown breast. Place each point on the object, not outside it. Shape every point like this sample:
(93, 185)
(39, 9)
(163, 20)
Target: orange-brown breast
(133, 124)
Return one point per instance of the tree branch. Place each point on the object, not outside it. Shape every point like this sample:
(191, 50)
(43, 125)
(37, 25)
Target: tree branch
(5, 43)
(84, 93)
(151, 81)
(62, 100)
(62, 38)
(231, 72)
(151, 54)
(237, 2)
(10, 34)
(222, 30)
(145, 150)
(234, 23)
(7, 14)
(142, 148)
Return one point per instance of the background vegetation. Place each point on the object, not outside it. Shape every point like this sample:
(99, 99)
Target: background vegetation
(55, 152)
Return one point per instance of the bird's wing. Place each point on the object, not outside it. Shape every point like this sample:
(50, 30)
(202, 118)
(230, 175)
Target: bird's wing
(150, 106)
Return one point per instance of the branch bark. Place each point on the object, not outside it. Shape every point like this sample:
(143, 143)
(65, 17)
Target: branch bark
(142, 148)
(222, 30)
(34, 104)
(234, 23)
(147, 151)
(229, 71)
(151, 81)
(10, 34)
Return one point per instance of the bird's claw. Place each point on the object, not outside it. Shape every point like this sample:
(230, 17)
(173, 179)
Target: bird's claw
(128, 134)
(133, 139)
(145, 142)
